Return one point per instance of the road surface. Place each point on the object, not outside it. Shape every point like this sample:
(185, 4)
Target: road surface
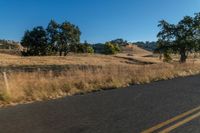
(163, 106)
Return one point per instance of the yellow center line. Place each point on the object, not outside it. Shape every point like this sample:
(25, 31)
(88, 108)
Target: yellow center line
(156, 127)
(186, 120)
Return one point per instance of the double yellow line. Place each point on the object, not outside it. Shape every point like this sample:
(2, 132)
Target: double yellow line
(189, 116)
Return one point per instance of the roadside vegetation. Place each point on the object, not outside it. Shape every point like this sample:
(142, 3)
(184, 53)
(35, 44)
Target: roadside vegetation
(40, 73)
(36, 86)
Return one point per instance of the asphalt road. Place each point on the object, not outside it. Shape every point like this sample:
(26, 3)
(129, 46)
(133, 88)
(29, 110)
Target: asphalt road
(129, 110)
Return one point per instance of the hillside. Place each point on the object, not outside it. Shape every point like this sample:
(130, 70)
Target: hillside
(137, 57)
(7, 44)
(134, 49)
(137, 53)
(10, 47)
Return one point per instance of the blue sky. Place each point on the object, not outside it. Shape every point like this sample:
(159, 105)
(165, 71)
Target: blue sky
(99, 20)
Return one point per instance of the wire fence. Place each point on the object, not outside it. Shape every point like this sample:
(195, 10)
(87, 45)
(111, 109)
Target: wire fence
(48, 68)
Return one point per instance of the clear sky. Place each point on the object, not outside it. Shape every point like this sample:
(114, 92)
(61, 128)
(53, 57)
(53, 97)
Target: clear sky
(99, 20)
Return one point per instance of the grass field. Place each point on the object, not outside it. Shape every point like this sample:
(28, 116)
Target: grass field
(100, 72)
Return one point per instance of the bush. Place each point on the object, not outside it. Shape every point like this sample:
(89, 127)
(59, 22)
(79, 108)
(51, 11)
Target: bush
(89, 49)
(111, 48)
(167, 57)
(82, 48)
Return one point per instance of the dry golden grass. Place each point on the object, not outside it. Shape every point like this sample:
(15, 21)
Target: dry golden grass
(114, 72)
(86, 59)
(77, 59)
(25, 87)
(139, 54)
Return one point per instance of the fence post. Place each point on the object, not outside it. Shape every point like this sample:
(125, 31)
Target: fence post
(38, 69)
(51, 74)
(6, 82)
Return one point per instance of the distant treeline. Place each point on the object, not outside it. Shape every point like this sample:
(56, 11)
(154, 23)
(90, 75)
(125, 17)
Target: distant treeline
(150, 46)
(110, 47)
(7, 44)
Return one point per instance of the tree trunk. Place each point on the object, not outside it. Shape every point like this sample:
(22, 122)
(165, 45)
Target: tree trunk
(65, 53)
(60, 52)
(183, 56)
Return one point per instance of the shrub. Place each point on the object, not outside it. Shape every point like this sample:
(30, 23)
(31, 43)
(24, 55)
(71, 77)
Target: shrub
(167, 57)
(111, 48)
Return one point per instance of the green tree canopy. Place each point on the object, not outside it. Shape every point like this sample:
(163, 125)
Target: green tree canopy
(53, 35)
(35, 41)
(55, 38)
(179, 38)
(69, 35)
